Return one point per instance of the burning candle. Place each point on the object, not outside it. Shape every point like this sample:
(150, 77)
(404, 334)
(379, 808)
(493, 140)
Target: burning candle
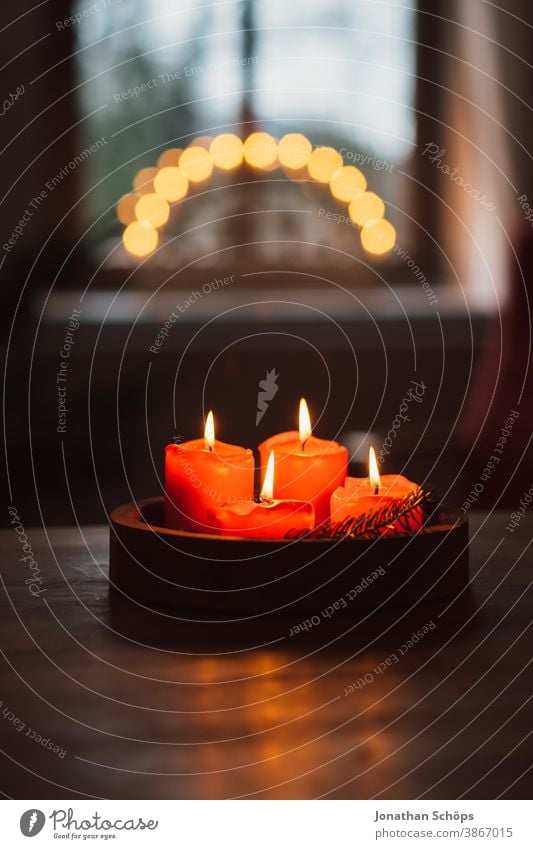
(267, 519)
(369, 495)
(307, 468)
(201, 474)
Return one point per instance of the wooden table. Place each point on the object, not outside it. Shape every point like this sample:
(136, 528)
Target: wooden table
(139, 705)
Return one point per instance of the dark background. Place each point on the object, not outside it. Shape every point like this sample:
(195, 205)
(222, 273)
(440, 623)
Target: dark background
(125, 403)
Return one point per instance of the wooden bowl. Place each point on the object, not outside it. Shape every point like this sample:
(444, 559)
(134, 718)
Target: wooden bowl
(227, 577)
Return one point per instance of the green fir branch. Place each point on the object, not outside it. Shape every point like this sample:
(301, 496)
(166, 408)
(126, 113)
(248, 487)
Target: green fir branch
(395, 518)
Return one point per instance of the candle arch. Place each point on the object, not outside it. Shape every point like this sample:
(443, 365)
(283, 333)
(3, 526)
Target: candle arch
(146, 210)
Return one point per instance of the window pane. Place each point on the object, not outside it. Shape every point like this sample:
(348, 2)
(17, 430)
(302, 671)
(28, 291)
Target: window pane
(348, 66)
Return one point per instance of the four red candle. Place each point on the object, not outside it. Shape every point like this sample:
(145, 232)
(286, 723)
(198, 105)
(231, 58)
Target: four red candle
(209, 486)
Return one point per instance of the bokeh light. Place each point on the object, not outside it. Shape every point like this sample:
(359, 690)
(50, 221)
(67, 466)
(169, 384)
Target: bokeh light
(153, 210)
(147, 208)
(323, 163)
(294, 150)
(171, 184)
(144, 179)
(260, 150)
(346, 183)
(140, 238)
(227, 151)
(126, 208)
(202, 141)
(169, 157)
(365, 207)
(378, 237)
(196, 163)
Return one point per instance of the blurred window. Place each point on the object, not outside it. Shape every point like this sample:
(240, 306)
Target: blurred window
(153, 76)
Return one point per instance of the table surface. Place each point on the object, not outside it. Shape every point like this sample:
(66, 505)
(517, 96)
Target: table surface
(102, 698)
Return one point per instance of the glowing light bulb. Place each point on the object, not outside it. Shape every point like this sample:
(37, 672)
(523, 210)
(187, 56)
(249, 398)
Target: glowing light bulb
(260, 150)
(152, 210)
(143, 180)
(378, 237)
(227, 151)
(171, 184)
(323, 163)
(196, 164)
(126, 208)
(294, 150)
(346, 183)
(140, 238)
(170, 157)
(365, 207)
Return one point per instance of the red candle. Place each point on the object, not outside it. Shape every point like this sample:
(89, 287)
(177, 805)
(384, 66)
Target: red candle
(201, 474)
(267, 519)
(307, 468)
(368, 495)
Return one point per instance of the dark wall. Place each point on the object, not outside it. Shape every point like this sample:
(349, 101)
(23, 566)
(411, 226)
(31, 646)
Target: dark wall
(122, 399)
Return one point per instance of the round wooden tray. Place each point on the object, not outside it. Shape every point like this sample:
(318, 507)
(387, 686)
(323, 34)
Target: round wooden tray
(229, 576)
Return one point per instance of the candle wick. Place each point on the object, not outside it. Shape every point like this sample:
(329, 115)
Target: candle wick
(303, 444)
(376, 490)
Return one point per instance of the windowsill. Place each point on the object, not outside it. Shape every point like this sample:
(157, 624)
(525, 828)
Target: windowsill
(263, 305)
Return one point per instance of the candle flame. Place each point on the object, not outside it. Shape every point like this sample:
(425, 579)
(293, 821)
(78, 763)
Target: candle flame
(209, 432)
(267, 492)
(305, 422)
(373, 472)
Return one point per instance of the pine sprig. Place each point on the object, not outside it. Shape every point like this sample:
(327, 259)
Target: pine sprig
(397, 519)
